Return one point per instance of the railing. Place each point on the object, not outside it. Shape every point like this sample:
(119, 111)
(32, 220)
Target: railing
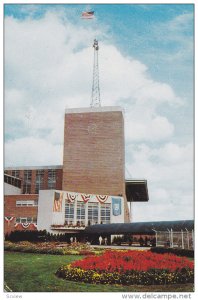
(65, 226)
(183, 239)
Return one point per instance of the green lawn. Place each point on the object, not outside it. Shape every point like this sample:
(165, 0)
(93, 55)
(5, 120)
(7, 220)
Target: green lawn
(27, 272)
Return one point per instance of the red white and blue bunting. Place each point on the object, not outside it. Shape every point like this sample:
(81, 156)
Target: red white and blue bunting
(71, 197)
(101, 198)
(85, 197)
(9, 219)
(25, 225)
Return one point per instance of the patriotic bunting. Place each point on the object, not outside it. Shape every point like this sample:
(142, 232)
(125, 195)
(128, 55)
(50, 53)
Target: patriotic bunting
(25, 225)
(9, 219)
(71, 197)
(101, 198)
(85, 197)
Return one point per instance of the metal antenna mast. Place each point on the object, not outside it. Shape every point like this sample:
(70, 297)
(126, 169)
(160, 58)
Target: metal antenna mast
(95, 95)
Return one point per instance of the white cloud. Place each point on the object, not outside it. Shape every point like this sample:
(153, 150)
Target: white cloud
(169, 171)
(51, 68)
(30, 151)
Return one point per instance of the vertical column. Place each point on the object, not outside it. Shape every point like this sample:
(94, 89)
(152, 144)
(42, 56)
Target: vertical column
(99, 213)
(21, 176)
(75, 212)
(33, 182)
(182, 238)
(45, 179)
(172, 242)
(188, 243)
(86, 213)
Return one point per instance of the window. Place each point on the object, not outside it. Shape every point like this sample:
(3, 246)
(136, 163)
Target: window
(39, 180)
(92, 213)
(26, 203)
(27, 182)
(15, 173)
(69, 213)
(105, 213)
(51, 179)
(26, 220)
(12, 180)
(80, 213)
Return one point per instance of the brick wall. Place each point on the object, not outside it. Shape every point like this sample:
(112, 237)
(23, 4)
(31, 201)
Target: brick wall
(93, 159)
(59, 179)
(59, 175)
(10, 210)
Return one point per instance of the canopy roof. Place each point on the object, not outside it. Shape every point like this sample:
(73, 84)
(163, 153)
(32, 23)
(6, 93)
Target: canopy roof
(140, 227)
(136, 190)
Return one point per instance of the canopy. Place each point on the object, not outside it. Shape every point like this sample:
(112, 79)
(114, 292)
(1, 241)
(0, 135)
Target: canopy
(140, 227)
(136, 190)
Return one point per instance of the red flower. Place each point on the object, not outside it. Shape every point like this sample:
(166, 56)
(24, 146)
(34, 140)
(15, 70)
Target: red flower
(122, 261)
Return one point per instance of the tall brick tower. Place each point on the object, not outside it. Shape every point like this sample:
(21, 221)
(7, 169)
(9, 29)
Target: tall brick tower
(94, 155)
(94, 159)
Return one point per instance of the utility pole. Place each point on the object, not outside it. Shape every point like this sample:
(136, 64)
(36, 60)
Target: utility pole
(95, 95)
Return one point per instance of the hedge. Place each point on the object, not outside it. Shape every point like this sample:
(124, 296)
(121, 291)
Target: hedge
(176, 251)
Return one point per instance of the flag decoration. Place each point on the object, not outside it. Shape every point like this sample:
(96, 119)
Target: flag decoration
(71, 197)
(85, 197)
(9, 219)
(25, 225)
(58, 197)
(116, 205)
(101, 198)
(87, 15)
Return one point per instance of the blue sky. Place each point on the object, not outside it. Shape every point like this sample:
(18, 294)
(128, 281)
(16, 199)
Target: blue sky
(146, 63)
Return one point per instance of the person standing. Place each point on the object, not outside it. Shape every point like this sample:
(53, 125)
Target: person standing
(100, 240)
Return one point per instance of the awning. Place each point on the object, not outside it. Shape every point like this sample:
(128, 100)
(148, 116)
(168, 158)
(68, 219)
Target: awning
(136, 190)
(139, 227)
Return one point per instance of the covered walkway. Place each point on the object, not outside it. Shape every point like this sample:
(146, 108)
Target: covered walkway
(139, 227)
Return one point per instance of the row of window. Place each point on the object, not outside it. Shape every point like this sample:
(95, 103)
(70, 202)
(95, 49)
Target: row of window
(12, 180)
(26, 220)
(26, 203)
(39, 181)
(94, 212)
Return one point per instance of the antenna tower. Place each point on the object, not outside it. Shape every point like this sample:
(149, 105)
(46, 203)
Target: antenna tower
(95, 94)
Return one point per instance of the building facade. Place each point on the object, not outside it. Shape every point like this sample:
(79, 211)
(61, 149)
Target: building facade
(94, 152)
(20, 212)
(63, 211)
(89, 188)
(33, 179)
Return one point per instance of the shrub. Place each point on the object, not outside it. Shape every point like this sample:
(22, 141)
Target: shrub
(176, 251)
(36, 236)
(49, 248)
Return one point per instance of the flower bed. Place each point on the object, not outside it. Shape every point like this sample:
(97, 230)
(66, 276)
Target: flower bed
(50, 248)
(130, 267)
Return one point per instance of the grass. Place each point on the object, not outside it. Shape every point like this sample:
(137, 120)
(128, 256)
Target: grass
(27, 272)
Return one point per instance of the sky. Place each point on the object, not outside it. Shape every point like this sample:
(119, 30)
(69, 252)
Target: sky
(146, 66)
